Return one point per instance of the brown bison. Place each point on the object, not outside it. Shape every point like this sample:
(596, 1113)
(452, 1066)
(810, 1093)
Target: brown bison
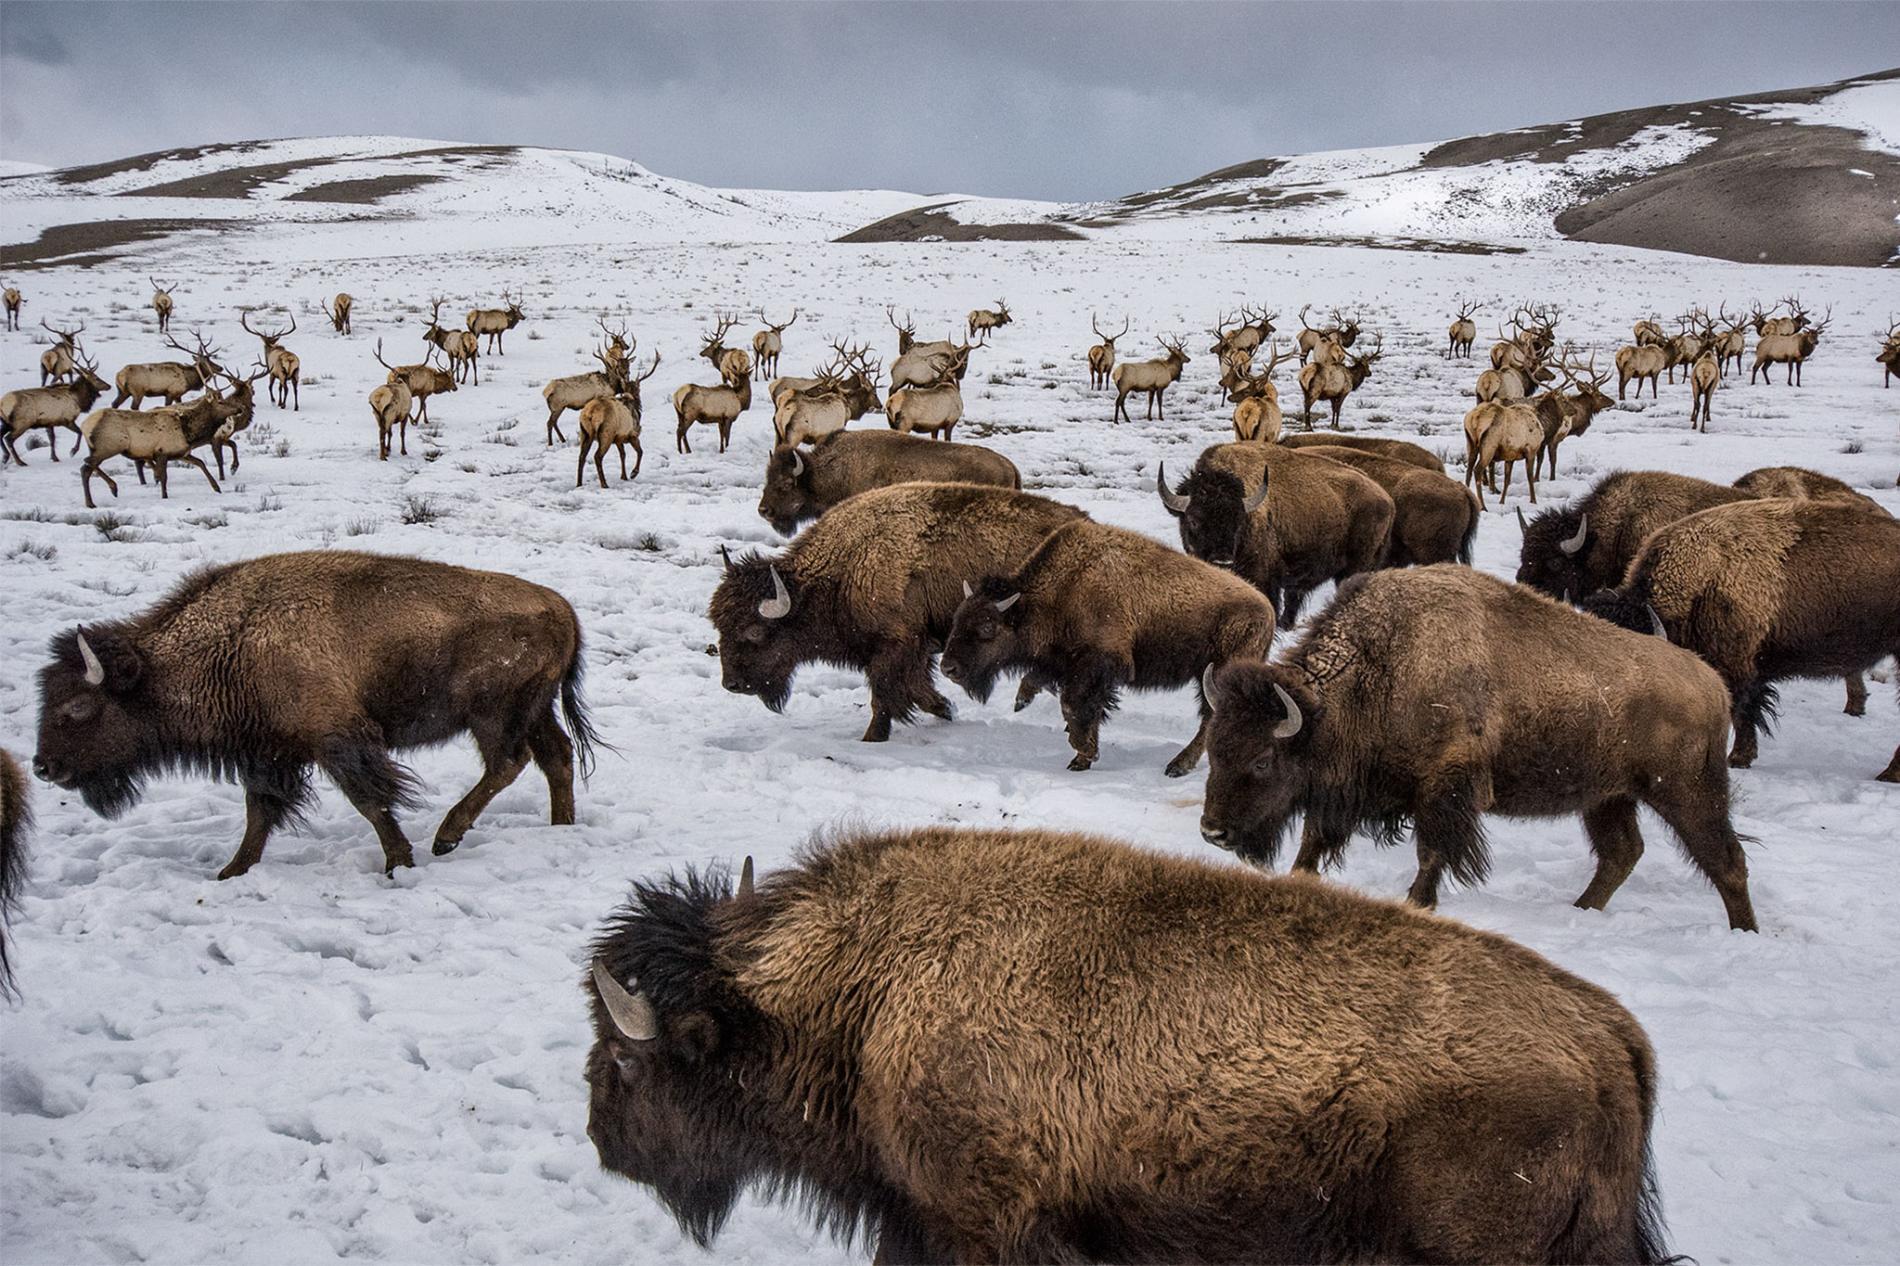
(1434, 519)
(1412, 697)
(1321, 522)
(1397, 450)
(1098, 608)
(1797, 483)
(803, 485)
(14, 819)
(1767, 590)
(873, 585)
(256, 671)
(1021, 1046)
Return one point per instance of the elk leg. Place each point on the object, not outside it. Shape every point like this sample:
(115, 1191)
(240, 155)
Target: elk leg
(403, 435)
(553, 754)
(296, 385)
(268, 803)
(620, 448)
(600, 465)
(161, 470)
(374, 784)
(1892, 772)
(495, 779)
(87, 469)
(1121, 408)
(200, 464)
(554, 428)
(1617, 844)
(639, 454)
(1856, 695)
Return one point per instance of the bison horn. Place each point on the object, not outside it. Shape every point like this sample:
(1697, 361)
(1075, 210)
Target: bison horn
(631, 1013)
(1575, 543)
(745, 877)
(1656, 625)
(968, 592)
(1258, 499)
(1176, 503)
(798, 464)
(1009, 602)
(95, 671)
(779, 605)
(727, 555)
(1523, 524)
(1207, 685)
(1291, 725)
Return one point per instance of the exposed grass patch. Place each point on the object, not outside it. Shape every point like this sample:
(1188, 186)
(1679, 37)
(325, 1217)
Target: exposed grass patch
(32, 514)
(359, 527)
(113, 527)
(420, 510)
(34, 549)
(1853, 446)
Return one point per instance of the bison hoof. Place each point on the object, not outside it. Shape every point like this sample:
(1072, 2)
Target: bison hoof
(1856, 709)
(1080, 763)
(1741, 760)
(1180, 767)
(404, 861)
(441, 848)
(1889, 774)
(233, 870)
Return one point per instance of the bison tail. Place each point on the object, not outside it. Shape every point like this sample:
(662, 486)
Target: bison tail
(580, 727)
(1470, 537)
(14, 819)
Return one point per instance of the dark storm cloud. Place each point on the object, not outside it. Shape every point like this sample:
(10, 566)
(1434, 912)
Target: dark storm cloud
(1033, 100)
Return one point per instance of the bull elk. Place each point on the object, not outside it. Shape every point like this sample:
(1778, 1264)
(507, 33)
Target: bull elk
(769, 342)
(1333, 383)
(842, 391)
(170, 381)
(160, 437)
(614, 377)
(714, 406)
(1649, 332)
(1637, 363)
(924, 363)
(1507, 433)
(46, 408)
(1254, 329)
(391, 403)
(611, 422)
(1566, 414)
(1703, 377)
(1102, 355)
(282, 363)
(1151, 376)
(162, 302)
(460, 348)
(1888, 357)
(495, 322)
(1463, 332)
(58, 363)
(1791, 349)
(906, 330)
(983, 320)
(729, 362)
(1730, 343)
(12, 298)
(339, 312)
(1695, 333)
(934, 408)
(1342, 331)
(423, 380)
(1257, 414)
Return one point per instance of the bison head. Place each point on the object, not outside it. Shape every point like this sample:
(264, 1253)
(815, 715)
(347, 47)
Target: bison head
(1259, 744)
(787, 500)
(1213, 507)
(675, 1054)
(95, 721)
(761, 630)
(986, 637)
(1552, 558)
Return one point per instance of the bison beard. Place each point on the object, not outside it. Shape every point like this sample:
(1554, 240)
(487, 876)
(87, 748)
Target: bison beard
(858, 1036)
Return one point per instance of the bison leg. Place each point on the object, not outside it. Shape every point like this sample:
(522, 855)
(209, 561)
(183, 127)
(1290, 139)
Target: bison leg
(900, 683)
(374, 784)
(1754, 704)
(553, 754)
(1617, 844)
(1856, 695)
(496, 778)
(1449, 833)
(1088, 694)
(1321, 844)
(267, 804)
(1892, 772)
(1700, 820)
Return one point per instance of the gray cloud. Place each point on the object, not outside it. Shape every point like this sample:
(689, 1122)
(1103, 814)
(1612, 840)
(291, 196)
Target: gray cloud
(1044, 100)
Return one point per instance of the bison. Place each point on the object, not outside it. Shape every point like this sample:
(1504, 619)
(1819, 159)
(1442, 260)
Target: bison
(873, 585)
(1322, 521)
(1025, 1046)
(1434, 519)
(1099, 608)
(1797, 483)
(1767, 590)
(1412, 697)
(15, 817)
(256, 671)
(1397, 450)
(803, 485)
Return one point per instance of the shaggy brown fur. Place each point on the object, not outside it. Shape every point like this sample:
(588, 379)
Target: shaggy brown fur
(873, 585)
(1434, 520)
(1320, 521)
(256, 671)
(1766, 590)
(992, 1046)
(1397, 450)
(1098, 608)
(1797, 483)
(803, 485)
(15, 817)
(1418, 702)
(1616, 517)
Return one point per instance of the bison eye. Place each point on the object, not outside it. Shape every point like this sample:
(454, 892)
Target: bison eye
(82, 708)
(987, 632)
(1262, 766)
(754, 635)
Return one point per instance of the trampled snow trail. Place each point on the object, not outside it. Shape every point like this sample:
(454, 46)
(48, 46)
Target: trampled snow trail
(313, 1062)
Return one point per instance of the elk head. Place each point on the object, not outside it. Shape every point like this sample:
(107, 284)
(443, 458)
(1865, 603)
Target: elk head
(272, 339)
(1108, 340)
(906, 333)
(714, 345)
(64, 338)
(203, 357)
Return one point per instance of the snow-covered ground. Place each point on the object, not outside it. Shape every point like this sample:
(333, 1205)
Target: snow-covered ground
(1872, 109)
(313, 1062)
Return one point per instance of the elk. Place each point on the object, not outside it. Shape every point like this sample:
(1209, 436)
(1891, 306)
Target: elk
(619, 347)
(983, 320)
(842, 392)
(716, 406)
(1566, 415)
(339, 312)
(1703, 377)
(609, 422)
(769, 342)
(160, 437)
(1342, 331)
(1151, 376)
(1102, 355)
(391, 403)
(906, 331)
(1637, 363)
(282, 362)
(1649, 333)
(1464, 331)
(58, 362)
(1507, 433)
(1257, 415)
(1253, 330)
(11, 297)
(1509, 383)
(495, 322)
(237, 414)
(728, 362)
(1730, 342)
(170, 381)
(1695, 332)
(1766, 324)
(45, 408)
(162, 302)
(575, 390)
(924, 363)
(934, 409)
(459, 347)
(1333, 383)
(859, 386)
(423, 380)
(1888, 357)
(1791, 349)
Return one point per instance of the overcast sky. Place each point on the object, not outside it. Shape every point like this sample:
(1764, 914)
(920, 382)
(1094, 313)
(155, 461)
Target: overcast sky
(1047, 100)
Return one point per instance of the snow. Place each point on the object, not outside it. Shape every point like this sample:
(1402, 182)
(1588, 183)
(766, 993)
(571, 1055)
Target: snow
(1872, 109)
(313, 1062)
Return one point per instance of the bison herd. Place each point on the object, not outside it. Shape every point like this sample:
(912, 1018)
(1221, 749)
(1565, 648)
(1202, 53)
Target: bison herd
(996, 1045)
